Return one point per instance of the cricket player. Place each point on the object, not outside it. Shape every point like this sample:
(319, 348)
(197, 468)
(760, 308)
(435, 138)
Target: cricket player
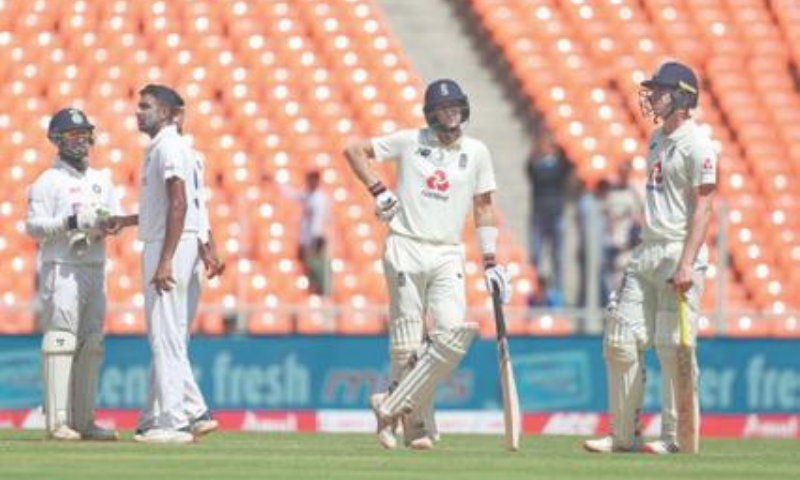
(67, 207)
(442, 174)
(670, 262)
(172, 225)
(201, 422)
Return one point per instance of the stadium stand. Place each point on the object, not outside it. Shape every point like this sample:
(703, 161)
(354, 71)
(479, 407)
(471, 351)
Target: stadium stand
(579, 62)
(276, 88)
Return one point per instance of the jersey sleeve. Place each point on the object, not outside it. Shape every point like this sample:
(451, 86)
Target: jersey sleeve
(484, 181)
(173, 161)
(40, 221)
(703, 164)
(390, 147)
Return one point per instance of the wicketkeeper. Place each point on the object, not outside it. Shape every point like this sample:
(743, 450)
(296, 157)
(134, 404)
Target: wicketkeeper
(67, 207)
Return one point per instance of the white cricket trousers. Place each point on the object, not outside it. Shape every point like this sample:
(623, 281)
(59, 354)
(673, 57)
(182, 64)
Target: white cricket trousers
(174, 396)
(73, 298)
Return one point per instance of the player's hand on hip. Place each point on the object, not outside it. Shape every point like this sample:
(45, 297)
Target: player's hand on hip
(162, 280)
(386, 205)
(682, 280)
(497, 277)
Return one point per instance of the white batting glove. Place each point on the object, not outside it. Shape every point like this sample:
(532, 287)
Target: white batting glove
(386, 205)
(497, 277)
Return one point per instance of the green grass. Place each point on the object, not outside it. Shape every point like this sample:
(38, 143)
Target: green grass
(23, 455)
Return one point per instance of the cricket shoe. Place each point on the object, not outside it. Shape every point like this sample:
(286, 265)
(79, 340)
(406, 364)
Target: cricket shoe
(421, 443)
(203, 425)
(660, 447)
(64, 433)
(385, 425)
(99, 434)
(606, 445)
(164, 436)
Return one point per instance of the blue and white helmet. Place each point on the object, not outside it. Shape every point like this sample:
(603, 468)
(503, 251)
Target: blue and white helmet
(440, 92)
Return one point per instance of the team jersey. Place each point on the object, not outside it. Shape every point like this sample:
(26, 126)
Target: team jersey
(169, 156)
(58, 193)
(436, 184)
(676, 165)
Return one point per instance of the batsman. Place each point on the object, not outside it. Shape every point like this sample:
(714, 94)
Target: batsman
(68, 206)
(663, 281)
(442, 174)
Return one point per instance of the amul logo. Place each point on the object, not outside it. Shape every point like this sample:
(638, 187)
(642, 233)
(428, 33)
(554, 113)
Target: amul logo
(438, 181)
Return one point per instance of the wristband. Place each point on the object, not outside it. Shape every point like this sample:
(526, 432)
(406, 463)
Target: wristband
(487, 240)
(377, 188)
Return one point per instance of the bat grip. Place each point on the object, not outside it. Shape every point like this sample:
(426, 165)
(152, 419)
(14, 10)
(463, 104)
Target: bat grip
(499, 317)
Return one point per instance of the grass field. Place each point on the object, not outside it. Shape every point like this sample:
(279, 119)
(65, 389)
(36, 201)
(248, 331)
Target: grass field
(24, 456)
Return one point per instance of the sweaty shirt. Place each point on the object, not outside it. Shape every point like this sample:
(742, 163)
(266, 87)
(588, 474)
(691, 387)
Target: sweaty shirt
(169, 156)
(435, 184)
(58, 193)
(677, 164)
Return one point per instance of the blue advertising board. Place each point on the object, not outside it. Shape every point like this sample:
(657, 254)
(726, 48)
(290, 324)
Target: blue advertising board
(553, 374)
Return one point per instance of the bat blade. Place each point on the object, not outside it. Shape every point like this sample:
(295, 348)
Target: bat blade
(688, 405)
(511, 414)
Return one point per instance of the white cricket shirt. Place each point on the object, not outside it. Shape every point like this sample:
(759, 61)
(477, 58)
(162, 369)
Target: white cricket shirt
(169, 156)
(676, 165)
(57, 193)
(435, 184)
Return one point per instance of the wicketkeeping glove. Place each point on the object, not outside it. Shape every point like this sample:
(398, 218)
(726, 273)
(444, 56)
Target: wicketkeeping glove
(498, 277)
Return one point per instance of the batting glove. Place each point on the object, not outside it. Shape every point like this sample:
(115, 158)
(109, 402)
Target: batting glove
(86, 218)
(386, 205)
(498, 278)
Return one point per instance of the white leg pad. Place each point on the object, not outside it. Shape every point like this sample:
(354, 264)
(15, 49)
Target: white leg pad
(668, 359)
(88, 359)
(625, 372)
(436, 363)
(58, 351)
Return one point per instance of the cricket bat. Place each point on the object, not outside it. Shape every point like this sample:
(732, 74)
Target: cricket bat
(511, 415)
(686, 386)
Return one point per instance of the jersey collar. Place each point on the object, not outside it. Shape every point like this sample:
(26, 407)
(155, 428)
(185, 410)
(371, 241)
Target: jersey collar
(64, 165)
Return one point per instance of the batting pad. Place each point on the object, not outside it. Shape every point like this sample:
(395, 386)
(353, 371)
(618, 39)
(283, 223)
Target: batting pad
(625, 371)
(58, 349)
(84, 382)
(436, 363)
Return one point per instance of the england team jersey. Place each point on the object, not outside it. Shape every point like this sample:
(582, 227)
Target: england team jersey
(169, 156)
(58, 193)
(435, 183)
(676, 165)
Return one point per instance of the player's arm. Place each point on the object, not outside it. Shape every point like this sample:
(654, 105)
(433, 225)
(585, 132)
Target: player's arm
(486, 228)
(41, 223)
(359, 156)
(176, 216)
(698, 227)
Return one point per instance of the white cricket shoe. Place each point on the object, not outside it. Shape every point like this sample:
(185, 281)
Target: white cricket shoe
(64, 433)
(421, 443)
(203, 425)
(385, 426)
(99, 434)
(660, 447)
(606, 445)
(164, 436)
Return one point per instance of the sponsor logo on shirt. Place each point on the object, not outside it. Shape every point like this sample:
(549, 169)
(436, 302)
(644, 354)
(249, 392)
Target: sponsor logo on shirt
(708, 164)
(424, 152)
(437, 184)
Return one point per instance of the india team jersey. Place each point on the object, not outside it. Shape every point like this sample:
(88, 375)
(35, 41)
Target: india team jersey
(58, 193)
(676, 165)
(435, 184)
(169, 156)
